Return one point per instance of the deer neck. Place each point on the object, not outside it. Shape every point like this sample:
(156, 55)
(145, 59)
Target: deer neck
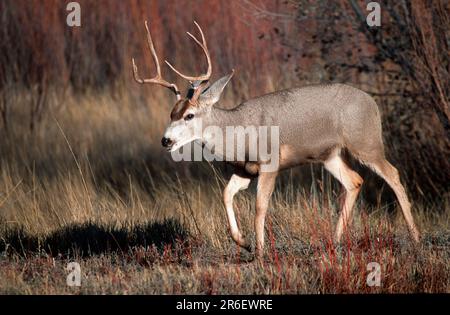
(215, 124)
(221, 118)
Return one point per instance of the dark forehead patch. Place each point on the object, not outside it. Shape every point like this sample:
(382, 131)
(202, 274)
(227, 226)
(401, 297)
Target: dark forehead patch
(190, 93)
(179, 109)
(196, 89)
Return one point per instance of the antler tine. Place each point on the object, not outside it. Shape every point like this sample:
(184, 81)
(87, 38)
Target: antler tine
(207, 75)
(152, 50)
(158, 78)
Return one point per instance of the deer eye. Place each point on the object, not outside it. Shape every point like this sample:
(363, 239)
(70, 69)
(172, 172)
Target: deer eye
(189, 117)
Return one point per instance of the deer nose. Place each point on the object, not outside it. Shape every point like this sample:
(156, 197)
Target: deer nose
(166, 142)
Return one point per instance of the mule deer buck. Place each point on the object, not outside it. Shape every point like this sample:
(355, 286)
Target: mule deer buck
(316, 124)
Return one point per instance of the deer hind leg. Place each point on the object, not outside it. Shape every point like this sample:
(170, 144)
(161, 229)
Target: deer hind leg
(235, 184)
(266, 184)
(352, 183)
(390, 174)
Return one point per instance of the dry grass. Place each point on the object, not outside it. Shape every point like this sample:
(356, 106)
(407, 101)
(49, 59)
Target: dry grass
(83, 177)
(93, 186)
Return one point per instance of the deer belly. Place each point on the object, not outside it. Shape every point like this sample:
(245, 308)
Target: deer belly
(291, 156)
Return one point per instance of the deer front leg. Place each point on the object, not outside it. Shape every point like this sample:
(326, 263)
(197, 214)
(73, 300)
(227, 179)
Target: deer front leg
(266, 183)
(235, 184)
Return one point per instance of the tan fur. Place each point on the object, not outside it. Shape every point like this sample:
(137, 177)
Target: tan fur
(316, 123)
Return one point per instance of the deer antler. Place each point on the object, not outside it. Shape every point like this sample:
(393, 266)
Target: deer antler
(207, 75)
(158, 78)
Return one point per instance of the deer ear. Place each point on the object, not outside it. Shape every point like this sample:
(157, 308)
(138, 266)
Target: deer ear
(212, 94)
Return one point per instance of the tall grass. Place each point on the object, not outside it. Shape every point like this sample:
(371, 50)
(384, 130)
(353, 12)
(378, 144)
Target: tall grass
(92, 188)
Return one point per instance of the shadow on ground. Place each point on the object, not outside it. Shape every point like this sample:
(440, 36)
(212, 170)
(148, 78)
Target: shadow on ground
(92, 239)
